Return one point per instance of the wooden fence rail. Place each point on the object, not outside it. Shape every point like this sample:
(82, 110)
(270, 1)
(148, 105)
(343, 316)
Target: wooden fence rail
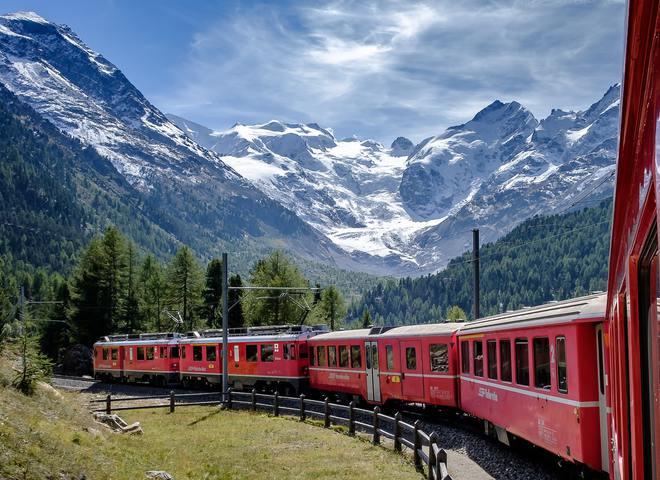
(425, 449)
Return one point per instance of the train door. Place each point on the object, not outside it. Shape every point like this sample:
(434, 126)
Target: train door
(602, 399)
(373, 371)
(649, 334)
(412, 380)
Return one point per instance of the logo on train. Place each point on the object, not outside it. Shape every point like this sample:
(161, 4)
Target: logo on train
(487, 394)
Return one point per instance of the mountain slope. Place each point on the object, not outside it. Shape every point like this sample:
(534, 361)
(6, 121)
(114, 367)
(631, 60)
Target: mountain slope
(544, 258)
(406, 210)
(209, 206)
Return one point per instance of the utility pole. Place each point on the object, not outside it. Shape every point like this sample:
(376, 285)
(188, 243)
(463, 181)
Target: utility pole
(475, 265)
(21, 317)
(225, 326)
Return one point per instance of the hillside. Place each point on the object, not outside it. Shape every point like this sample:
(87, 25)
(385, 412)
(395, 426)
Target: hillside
(51, 435)
(545, 258)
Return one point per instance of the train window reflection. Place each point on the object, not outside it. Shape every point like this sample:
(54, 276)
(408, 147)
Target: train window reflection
(542, 363)
(140, 353)
(197, 353)
(332, 356)
(389, 354)
(478, 353)
(562, 371)
(320, 355)
(439, 356)
(411, 358)
(150, 353)
(491, 351)
(251, 353)
(505, 360)
(522, 361)
(211, 353)
(267, 353)
(343, 356)
(356, 357)
(465, 357)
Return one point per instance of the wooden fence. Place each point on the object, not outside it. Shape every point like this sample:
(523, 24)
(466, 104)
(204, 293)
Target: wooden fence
(425, 449)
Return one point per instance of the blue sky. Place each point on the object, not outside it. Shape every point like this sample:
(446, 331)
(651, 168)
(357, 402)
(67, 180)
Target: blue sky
(375, 69)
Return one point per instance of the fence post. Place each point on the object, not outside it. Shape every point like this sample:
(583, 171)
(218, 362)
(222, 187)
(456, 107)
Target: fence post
(229, 398)
(254, 400)
(302, 407)
(171, 401)
(441, 458)
(326, 413)
(276, 404)
(108, 404)
(417, 445)
(376, 424)
(433, 463)
(351, 418)
(397, 432)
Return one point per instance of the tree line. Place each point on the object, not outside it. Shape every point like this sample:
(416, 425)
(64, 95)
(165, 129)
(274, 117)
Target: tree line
(117, 288)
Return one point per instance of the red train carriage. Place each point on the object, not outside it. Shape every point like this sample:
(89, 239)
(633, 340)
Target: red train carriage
(633, 286)
(337, 363)
(386, 364)
(152, 357)
(261, 357)
(417, 364)
(539, 374)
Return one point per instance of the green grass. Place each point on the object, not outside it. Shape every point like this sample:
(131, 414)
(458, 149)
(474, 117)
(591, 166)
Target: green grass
(51, 433)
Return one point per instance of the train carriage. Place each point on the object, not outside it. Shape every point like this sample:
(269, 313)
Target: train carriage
(418, 364)
(633, 286)
(266, 358)
(540, 374)
(152, 357)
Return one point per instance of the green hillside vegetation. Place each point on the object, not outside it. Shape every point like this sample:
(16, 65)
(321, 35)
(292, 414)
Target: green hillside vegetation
(51, 435)
(545, 258)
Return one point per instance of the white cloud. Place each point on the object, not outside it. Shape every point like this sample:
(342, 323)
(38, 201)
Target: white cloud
(382, 69)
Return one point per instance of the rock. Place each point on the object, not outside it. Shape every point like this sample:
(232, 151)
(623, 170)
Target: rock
(46, 387)
(159, 475)
(78, 360)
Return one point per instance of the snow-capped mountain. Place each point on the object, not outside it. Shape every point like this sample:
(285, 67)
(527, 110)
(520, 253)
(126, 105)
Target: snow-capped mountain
(414, 206)
(84, 95)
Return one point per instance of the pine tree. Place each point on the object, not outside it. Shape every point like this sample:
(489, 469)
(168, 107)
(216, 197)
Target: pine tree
(131, 307)
(184, 285)
(236, 317)
(114, 275)
(366, 318)
(212, 311)
(456, 314)
(332, 306)
(152, 293)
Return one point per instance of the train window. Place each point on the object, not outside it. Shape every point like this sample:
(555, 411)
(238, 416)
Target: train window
(478, 354)
(163, 352)
(505, 360)
(374, 356)
(491, 351)
(439, 357)
(130, 354)
(183, 352)
(251, 353)
(562, 371)
(332, 356)
(174, 352)
(542, 363)
(211, 353)
(197, 353)
(389, 354)
(151, 353)
(343, 356)
(302, 350)
(105, 353)
(292, 351)
(320, 355)
(140, 353)
(356, 356)
(411, 358)
(312, 356)
(285, 351)
(114, 353)
(522, 361)
(465, 357)
(267, 353)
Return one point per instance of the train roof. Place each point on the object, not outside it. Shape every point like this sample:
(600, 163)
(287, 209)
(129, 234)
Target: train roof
(446, 328)
(576, 309)
(344, 334)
